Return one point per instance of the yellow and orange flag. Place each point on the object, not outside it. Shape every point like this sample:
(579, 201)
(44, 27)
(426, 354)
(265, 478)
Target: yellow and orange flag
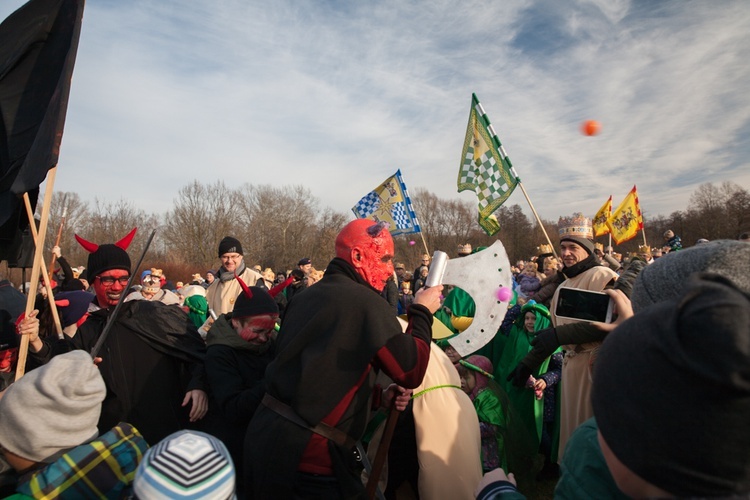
(627, 220)
(601, 218)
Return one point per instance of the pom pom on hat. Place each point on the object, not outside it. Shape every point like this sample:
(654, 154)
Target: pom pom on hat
(53, 408)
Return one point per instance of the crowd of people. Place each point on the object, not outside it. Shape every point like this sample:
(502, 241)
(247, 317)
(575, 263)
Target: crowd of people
(303, 383)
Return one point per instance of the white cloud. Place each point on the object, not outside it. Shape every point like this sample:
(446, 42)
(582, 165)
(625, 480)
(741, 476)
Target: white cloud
(338, 95)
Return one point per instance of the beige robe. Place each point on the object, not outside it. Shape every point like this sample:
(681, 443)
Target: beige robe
(222, 295)
(576, 379)
(447, 430)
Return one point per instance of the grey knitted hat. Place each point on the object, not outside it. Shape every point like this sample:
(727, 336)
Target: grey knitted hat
(666, 278)
(671, 391)
(53, 408)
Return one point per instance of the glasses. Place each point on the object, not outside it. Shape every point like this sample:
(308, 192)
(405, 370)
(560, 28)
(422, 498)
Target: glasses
(109, 280)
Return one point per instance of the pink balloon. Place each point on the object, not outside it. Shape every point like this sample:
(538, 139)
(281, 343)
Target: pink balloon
(504, 294)
(412, 242)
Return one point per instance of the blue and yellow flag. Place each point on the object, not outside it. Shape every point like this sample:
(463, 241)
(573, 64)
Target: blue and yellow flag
(389, 203)
(485, 168)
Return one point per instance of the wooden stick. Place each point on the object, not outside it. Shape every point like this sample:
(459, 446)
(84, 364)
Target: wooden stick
(424, 243)
(520, 184)
(47, 281)
(59, 235)
(382, 454)
(23, 348)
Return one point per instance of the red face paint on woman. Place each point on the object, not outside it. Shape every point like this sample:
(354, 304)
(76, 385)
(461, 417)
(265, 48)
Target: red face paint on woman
(368, 247)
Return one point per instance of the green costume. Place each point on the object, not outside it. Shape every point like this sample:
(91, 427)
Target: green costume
(457, 303)
(490, 412)
(518, 345)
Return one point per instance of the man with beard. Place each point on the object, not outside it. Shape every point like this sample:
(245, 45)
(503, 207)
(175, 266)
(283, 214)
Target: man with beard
(320, 387)
(224, 290)
(152, 358)
(580, 340)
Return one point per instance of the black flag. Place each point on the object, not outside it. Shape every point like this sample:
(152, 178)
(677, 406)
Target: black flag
(38, 45)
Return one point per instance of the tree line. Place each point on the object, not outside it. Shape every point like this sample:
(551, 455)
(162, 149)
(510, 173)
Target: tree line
(279, 225)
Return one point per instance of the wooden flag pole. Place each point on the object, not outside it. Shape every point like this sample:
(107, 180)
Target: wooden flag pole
(23, 347)
(424, 243)
(520, 184)
(47, 281)
(59, 235)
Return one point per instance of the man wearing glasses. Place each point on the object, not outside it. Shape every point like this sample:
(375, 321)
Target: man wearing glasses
(152, 358)
(225, 289)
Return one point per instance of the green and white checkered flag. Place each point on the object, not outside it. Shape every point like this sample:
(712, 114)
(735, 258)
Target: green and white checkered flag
(485, 168)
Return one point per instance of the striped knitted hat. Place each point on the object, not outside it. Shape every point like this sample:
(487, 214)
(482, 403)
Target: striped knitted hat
(186, 464)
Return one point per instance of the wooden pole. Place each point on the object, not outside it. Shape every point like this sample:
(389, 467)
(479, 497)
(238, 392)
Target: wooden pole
(520, 184)
(59, 235)
(47, 281)
(424, 243)
(23, 348)
(382, 453)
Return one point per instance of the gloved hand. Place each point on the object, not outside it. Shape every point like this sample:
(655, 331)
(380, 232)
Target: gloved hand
(519, 375)
(545, 342)
(543, 345)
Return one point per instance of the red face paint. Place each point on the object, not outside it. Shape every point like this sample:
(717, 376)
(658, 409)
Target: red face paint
(256, 329)
(369, 248)
(107, 294)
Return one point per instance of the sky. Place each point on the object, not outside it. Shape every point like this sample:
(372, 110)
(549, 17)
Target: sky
(336, 96)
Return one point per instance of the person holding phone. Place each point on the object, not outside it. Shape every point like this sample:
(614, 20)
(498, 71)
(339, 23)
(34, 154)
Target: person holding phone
(580, 339)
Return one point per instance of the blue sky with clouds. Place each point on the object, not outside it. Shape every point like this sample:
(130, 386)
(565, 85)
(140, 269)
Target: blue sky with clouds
(337, 95)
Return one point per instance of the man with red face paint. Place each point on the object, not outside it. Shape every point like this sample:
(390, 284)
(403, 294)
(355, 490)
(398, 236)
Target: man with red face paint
(240, 345)
(152, 358)
(321, 387)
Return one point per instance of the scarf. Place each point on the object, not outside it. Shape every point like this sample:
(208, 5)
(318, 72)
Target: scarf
(225, 275)
(576, 269)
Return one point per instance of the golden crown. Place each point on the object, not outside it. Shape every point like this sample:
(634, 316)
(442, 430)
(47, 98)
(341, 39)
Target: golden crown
(576, 225)
(599, 246)
(644, 249)
(464, 249)
(544, 249)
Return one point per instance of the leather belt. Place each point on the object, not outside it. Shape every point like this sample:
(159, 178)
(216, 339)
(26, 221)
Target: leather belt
(337, 436)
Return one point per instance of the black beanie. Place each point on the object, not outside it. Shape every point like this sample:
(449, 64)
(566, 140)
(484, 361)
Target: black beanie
(671, 392)
(230, 245)
(106, 257)
(584, 243)
(259, 303)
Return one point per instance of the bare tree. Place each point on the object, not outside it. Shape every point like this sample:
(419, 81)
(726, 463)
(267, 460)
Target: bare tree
(201, 217)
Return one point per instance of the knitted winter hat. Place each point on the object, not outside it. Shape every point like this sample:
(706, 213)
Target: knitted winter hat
(186, 464)
(671, 391)
(72, 306)
(666, 277)
(305, 261)
(108, 256)
(197, 309)
(230, 245)
(253, 301)
(53, 408)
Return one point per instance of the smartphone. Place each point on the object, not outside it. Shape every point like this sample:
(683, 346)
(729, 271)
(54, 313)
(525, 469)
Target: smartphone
(584, 305)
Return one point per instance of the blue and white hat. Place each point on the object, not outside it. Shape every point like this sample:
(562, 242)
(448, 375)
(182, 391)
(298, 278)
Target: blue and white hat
(187, 465)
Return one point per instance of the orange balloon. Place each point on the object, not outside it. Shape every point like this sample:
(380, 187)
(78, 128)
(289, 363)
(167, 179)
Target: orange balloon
(591, 127)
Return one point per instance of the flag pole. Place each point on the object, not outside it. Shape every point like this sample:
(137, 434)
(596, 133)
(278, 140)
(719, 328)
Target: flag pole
(536, 215)
(23, 347)
(424, 243)
(45, 275)
(59, 234)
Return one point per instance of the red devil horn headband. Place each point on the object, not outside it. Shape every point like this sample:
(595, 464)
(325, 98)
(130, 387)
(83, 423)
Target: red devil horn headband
(124, 243)
(244, 286)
